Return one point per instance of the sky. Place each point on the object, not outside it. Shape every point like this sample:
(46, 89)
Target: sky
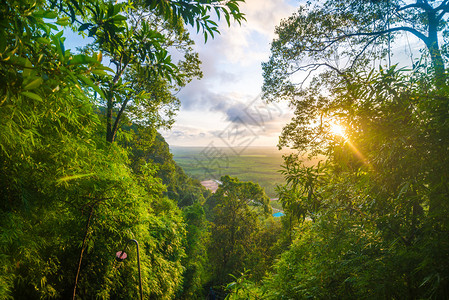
(224, 108)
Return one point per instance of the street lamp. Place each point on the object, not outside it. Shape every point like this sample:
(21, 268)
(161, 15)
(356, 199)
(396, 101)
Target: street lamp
(121, 255)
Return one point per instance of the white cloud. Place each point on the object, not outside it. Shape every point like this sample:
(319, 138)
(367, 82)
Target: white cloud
(231, 64)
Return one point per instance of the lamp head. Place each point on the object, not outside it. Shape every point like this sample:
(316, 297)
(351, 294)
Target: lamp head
(121, 256)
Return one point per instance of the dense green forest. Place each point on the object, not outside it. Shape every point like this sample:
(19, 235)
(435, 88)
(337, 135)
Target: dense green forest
(84, 169)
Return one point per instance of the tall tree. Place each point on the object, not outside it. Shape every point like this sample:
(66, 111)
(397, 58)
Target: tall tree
(138, 39)
(342, 35)
(377, 126)
(234, 223)
(137, 43)
(382, 198)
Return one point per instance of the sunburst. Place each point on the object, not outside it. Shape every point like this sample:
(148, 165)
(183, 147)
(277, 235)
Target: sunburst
(337, 129)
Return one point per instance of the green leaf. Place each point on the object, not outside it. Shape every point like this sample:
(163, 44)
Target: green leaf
(76, 4)
(32, 95)
(232, 6)
(59, 45)
(52, 26)
(50, 15)
(81, 59)
(34, 84)
(99, 72)
(102, 67)
(2, 41)
(91, 84)
(84, 26)
(119, 18)
(65, 21)
(27, 68)
(72, 177)
(43, 40)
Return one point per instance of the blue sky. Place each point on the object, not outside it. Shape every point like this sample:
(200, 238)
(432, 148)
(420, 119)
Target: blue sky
(224, 108)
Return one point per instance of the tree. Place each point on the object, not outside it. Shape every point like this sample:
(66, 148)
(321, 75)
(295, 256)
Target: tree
(380, 196)
(148, 146)
(196, 263)
(234, 224)
(373, 208)
(138, 40)
(144, 75)
(342, 35)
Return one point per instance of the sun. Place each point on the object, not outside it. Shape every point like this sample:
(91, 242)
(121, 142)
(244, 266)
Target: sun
(337, 129)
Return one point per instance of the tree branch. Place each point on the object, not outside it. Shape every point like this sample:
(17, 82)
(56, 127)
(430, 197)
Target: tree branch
(413, 31)
(313, 67)
(363, 50)
(444, 9)
(331, 42)
(442, 5)
(83, 247)
(425, 6)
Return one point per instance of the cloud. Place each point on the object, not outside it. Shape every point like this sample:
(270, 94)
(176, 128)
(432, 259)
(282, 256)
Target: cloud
(264, 15)
(254, 118)
(226, 98)
(186, 135)
(246, 43)
(231, 61)
(250, 41)
(237, 109)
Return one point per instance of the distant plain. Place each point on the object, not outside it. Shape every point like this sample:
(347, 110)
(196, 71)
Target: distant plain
(256, 164)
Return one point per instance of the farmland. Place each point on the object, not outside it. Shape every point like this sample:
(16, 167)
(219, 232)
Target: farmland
(257, 164)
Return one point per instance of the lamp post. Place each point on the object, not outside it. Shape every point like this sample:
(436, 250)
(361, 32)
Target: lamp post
(121, 255)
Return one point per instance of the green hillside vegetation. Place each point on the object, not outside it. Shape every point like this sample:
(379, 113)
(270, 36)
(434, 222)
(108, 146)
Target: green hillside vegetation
(77, 182)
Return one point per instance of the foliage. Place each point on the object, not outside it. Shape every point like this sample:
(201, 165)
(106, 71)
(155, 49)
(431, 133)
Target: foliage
(196, 263)
(138, 39)
(234, 226)
(376, 232)
(144, 75)
(243, 288)
(49, 193)
(340, 36)
(366, 224)
(148, 146)
(69, 199)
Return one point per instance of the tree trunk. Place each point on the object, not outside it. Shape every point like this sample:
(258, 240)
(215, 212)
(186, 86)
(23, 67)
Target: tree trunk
(111, 127)
(109, 135)
(435, 52)
(83, 246)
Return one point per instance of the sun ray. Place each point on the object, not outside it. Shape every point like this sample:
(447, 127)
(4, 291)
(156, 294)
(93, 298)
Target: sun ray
(337, 129)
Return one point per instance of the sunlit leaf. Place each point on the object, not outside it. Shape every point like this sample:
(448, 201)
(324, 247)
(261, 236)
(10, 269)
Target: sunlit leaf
(32, 96)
